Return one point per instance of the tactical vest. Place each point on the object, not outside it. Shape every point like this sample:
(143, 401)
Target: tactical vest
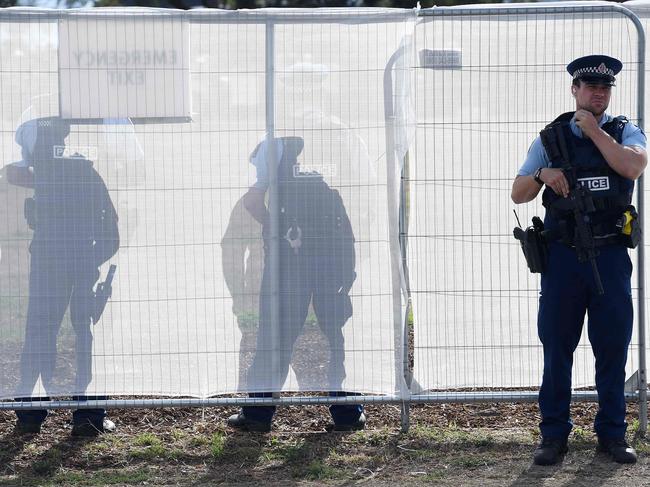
(315, 228)
(70, 201)
(611, 192)
(312, 212)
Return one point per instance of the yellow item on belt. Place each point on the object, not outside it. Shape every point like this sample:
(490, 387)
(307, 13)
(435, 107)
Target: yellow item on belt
(627, 223)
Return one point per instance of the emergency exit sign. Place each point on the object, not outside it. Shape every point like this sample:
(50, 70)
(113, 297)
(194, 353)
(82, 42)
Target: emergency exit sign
(116, 65)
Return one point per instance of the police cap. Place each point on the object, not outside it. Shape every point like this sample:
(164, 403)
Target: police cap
(595, 69)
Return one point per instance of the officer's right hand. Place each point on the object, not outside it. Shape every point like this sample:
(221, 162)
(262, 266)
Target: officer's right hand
(555, 179)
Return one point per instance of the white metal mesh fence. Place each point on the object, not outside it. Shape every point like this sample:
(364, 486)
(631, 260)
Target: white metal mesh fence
(198, 307)
(191, 311)
(504, 78)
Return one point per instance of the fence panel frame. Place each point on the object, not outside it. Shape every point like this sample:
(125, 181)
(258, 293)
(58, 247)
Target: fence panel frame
(272, 17)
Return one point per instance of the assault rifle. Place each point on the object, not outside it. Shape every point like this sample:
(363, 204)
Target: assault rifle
(579, 201)
(582, 205)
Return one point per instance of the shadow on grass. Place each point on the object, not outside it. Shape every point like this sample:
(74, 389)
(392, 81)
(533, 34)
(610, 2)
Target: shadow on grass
(599, 471)
(42, 467)
(254, 457)
(11, 446)
(601, 466)
(536, 476)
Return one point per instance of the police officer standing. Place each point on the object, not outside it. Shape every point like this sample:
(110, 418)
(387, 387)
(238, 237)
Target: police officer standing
(75, 232)
(588, 162)
(316, 265)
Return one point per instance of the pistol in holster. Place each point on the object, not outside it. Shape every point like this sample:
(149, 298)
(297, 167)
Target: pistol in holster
(102, 294)
(534, 245)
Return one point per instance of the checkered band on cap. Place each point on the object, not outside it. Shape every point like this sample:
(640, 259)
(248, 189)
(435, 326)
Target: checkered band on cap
(596, 66)
(601, 69)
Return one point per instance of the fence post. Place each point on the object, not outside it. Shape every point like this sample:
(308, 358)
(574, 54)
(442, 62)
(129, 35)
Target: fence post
(395, 194)
(642, 372)
(643, 381)
(274, 207)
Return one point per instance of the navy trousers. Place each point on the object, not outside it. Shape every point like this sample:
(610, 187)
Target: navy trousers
(59, 279)
(568, 292)
(304, 279)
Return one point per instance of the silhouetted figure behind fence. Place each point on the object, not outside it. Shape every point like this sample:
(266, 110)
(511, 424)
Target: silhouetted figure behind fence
(75, 232)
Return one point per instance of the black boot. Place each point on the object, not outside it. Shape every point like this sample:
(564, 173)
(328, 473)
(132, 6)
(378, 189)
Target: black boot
(618, 449)
(550, 451)
(358, 425)
(241, 422)
(27, 428)
(89, 429)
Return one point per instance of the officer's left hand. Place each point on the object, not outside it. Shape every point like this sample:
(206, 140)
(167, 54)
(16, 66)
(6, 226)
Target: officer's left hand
(587, 122)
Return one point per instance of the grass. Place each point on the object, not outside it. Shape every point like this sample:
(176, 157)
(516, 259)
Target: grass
(107, 443)
(152, 447)
(200, 454)
(469, 461)
(375, 437)
(147, 439)
(434, 475)
(48, 462)
(198, 441)
(349, 459)
(217, 443)
(642, 446)
(286, 451)
(248, 320)
(178, 434)
(582, 437)
(454, 435)
(317, 470)
(641, 443)
(105, 477)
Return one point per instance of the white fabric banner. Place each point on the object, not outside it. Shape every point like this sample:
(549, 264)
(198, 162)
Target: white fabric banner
(196, 308)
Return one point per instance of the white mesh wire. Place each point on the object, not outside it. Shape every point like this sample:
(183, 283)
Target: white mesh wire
(184, 314)
(475, 305)
(184, 317)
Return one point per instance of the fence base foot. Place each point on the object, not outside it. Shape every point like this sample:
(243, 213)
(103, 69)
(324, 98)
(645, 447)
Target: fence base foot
(406, 417)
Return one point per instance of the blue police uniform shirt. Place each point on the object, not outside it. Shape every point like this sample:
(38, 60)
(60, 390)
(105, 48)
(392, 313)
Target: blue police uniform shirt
(536, 158)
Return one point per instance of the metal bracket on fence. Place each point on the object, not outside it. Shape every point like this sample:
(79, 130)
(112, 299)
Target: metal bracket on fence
(430, 398)
(632, 384)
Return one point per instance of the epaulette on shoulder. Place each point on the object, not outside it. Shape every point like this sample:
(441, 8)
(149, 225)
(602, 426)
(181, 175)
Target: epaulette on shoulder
(619, 122)
(622, 119)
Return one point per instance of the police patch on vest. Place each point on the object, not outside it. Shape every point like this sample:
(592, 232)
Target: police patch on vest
(599, 183)
(314, 170)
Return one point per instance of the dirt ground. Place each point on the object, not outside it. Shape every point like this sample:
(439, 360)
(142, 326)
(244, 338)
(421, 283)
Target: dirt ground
(449, 444)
